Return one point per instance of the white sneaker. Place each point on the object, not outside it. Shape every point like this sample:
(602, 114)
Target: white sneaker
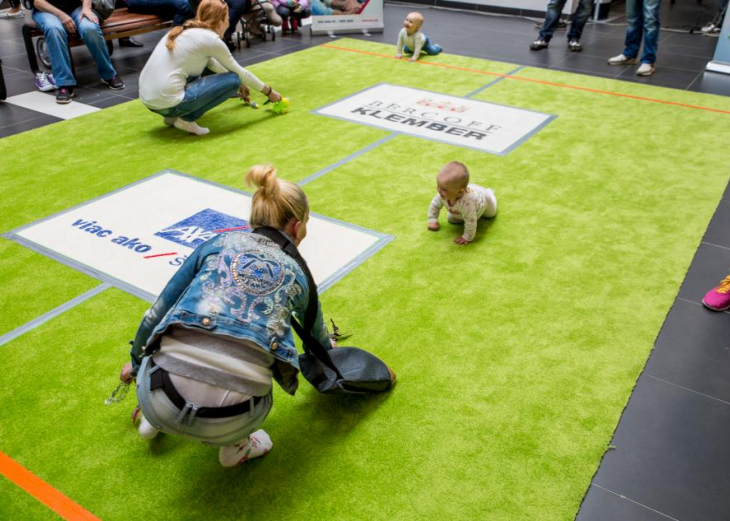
(258, 444)
(645, 69)
(170, 122)
(7, 15)
(621, 60)
(708, 28)
(145, 429)
(190, 126)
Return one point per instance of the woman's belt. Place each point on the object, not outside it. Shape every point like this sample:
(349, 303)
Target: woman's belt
(160, 379)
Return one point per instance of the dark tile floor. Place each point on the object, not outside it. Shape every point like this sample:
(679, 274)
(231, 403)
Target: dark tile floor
(670, 455)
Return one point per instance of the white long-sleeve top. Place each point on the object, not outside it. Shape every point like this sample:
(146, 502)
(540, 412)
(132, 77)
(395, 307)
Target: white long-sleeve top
(163, 79)
(469, 207)
(414, 42)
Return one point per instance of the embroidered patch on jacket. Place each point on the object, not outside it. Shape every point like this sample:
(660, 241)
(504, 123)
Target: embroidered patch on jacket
(257, 273)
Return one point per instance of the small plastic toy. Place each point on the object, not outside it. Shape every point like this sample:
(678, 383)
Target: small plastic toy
(336, 334)
(281, 107)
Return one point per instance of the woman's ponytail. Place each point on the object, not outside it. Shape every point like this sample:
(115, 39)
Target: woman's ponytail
(275, 201)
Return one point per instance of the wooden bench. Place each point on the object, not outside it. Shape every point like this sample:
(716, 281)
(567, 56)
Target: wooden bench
(120, 24)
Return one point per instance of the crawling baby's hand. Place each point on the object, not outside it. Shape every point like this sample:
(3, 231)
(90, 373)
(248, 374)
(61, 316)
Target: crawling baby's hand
(434, 227)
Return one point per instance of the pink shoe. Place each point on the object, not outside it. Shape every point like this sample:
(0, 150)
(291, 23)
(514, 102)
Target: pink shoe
(718, 299)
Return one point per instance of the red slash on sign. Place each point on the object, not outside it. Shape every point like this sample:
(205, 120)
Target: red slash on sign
(160, 255)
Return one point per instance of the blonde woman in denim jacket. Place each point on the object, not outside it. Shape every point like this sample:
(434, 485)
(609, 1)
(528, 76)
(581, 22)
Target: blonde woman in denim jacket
(207, 351)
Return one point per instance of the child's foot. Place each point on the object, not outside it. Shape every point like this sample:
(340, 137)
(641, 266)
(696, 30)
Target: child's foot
(257, 444)
(190, 126)
(718, 299)
(145, 429)
(169, 121)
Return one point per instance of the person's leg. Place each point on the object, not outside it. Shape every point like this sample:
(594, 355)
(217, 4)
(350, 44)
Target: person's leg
(94, 39)
(207, 92)
(651, 30)
(181, 10)
(285, 13)
(552, 17)
(580, 17)
(491, 209)
(236, 8)
(57, 45)
(431, 49)
(634, 29)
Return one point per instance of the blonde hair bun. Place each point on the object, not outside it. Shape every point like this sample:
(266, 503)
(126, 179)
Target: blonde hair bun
(264, 178)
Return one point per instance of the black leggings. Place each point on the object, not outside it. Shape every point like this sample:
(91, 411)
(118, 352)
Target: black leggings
(236, 9)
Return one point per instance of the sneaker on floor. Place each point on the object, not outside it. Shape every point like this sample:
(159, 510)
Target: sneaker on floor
(575, 46)
(645, 69)
(718, 299)
(170, 122)
(539, 44)
(258, 444)
(44, 82)
(64, 95)
(115, 83)
(190, 126)
(621, 60)
(129, 42)
(7, 15)
(145, 429)
(708, 28)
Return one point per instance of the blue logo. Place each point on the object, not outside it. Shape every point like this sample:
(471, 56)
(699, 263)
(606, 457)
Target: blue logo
(198, 228)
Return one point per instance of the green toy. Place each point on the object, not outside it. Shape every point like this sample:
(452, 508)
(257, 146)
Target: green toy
(281, 107)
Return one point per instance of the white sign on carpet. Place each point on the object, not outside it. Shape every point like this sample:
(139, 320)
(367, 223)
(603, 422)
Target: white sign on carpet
(464, 122)
(137, 237)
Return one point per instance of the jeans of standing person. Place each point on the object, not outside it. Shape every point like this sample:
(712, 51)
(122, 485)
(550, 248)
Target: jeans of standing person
(57, 45)
(643, 20)
(286, 12)
(180, 10)
(236, 9)
(202, 94)
(552, 17)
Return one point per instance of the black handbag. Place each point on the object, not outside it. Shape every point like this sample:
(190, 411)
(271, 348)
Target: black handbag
(349, 370)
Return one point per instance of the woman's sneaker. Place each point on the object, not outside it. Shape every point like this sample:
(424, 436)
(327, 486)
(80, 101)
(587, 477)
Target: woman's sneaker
(45, 82)
(64, 95)
(258, 444)
(190, 126)
(575, 46)
(718, 299)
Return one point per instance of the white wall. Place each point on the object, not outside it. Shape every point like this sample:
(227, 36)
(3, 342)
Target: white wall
(532, 5)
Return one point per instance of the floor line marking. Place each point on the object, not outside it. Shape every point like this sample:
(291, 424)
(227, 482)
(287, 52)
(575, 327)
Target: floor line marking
(15, 333)
(634, 502)
(688, 389)
(485, 87)
(43, 492)
(541, 82)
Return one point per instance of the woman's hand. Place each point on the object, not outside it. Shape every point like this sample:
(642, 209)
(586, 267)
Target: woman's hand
(244, 94)
(274, 96)
(333, 343)
(126, 374)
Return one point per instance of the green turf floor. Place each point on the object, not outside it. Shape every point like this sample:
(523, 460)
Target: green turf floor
(515, 354)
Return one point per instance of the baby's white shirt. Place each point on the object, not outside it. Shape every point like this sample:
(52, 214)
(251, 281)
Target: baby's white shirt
(469, 207)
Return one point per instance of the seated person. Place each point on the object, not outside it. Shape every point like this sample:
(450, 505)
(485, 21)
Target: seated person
(249, 11)
(178, 10)
(292, 12)
(59, 18)
(16, 11)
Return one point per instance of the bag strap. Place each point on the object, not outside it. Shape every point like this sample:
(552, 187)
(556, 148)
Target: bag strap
(311, 344)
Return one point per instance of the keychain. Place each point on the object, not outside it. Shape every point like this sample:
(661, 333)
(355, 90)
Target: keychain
(118, 394)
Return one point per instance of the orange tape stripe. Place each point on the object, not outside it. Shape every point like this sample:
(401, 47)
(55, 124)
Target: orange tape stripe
(542, 82)
(43, 492)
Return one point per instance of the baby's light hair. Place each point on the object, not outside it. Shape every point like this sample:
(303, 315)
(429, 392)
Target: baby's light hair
(276, 201)
(454, 175)
(418, 16)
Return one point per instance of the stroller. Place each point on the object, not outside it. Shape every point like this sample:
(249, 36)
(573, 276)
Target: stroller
(258, 22)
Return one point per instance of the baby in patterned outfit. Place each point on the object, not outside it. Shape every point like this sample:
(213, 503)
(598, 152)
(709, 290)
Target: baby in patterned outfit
(412, 40)
(465, 203)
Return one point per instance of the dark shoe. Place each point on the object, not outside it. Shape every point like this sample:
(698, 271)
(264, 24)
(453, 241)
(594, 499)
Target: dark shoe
(64, 95)
(539, 44)
(115, 83)
(575, 46)
(294, 25)
(129, 42)
(231, 46)
(285, 26)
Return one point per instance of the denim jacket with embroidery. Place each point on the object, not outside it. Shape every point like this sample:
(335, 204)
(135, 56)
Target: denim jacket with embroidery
(240, 285)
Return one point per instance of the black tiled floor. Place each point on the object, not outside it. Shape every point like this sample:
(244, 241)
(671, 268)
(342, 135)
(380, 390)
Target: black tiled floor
(682, 475)
(671, 444)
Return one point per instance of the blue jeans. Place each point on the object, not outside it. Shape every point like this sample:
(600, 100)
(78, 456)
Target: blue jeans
(643, 19)
(429, 48)
(552, 17)
(179, 9)
(202, 94)
(58, 51)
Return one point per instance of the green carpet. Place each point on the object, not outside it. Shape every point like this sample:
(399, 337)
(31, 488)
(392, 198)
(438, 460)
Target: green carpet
(515, 354)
